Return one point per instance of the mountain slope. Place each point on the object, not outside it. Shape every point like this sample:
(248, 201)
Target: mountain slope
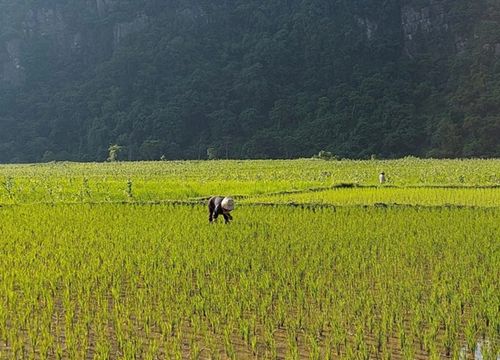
(248, 79)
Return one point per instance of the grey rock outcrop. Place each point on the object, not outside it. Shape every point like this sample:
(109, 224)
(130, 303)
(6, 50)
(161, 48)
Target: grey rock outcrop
(426, 25)
(369, 26)
(55, 24)
(103, 7)
(12, 72)
(44, 22)
(124, 29)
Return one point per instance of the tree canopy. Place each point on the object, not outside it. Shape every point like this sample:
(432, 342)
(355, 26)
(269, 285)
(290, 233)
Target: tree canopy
(260, 79)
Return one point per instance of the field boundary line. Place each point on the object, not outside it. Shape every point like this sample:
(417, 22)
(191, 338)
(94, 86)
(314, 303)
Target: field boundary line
(375, 205)
(309, 206)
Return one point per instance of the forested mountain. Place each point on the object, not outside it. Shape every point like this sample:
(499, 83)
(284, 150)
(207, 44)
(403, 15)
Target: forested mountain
(248, 78)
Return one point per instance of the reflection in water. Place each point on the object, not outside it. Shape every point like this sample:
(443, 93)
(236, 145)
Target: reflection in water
(478, 353)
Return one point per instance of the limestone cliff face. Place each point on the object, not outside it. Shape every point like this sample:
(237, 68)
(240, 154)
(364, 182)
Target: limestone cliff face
(93, 29)
(420, 23)
(11, 71)
(67, 32)
(446, 27)
(123, 29)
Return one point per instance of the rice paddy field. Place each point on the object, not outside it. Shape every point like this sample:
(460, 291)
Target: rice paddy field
(118, 260)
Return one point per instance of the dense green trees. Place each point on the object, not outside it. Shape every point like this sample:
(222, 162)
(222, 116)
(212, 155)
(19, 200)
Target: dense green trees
(253, 79)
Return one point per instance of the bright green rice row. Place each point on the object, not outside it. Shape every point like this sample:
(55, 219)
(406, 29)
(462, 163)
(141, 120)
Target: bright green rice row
(479, 197)
(124, 281)
(155, 181)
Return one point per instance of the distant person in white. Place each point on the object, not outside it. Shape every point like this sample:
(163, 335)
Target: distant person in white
(381, 178)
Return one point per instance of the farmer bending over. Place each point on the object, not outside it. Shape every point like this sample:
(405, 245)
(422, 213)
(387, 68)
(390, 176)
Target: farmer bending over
(218, 205)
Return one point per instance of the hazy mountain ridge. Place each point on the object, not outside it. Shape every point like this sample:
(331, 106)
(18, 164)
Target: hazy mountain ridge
(249, 79)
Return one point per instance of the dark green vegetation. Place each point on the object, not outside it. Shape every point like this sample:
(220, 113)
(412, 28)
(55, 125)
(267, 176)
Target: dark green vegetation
(248, 78)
